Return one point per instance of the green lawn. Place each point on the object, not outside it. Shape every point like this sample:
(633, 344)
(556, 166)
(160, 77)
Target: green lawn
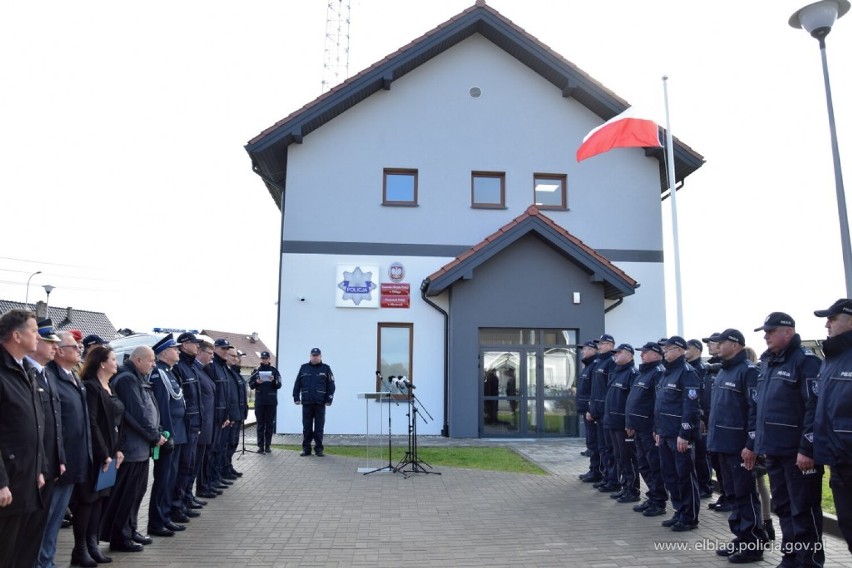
(493, 459)
(827, 497)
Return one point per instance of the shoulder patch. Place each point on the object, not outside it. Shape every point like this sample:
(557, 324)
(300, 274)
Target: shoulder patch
(692, 394)
(686, 425)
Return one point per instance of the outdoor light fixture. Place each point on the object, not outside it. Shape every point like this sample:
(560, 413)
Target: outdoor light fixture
(817, 19)
(48, 288)
(27, 298)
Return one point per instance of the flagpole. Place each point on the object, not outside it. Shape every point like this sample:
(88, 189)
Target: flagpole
(673, 194)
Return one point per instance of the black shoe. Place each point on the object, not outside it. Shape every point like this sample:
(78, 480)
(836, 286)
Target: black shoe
(706, 495)
(229, 477)
(217, 491)
(189, 513)
(729, 548)
(590, 477)
(260, 450)
(654, 511)
(198, 501)
(642, 506)
(628, 498)
(235, 472)
(670, 522)
(268, 450)
(618, 494)
(206, 495)
(320, 454)
(724, 508)
(769, 529)
(745, 556)
(608, 488)
(680, 526)
(225, 481)
(141, 538)
(175, 527)
(161, 531)
(179, 517)
(126, 546)
(303, 454)
(585, 453)
(599, 484)
(192, 506)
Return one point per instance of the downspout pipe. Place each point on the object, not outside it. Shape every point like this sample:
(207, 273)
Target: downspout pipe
(445, 430)
(615, 305)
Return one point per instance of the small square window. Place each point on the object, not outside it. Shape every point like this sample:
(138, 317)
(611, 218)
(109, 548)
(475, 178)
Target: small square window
(399, 187)
(551, 191)
(488, 190)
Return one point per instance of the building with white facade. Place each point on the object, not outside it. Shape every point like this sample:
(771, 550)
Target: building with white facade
(456, 240)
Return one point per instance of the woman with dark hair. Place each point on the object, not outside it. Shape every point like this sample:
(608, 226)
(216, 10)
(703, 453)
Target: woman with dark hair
(105, 414)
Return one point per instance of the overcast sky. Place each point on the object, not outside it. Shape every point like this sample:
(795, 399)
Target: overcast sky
(124, 178)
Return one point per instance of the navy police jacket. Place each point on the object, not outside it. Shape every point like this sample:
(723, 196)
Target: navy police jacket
(600, 382)
(639, 410)
(616, 395)
(208, 403)
(705, 393)
(731, 425)
(169, 397)
(676, 409)
(832, 424)
(266, 391)
(314, 384)
(584, 385)
(225, 406)
(190, 384)
(784, 387)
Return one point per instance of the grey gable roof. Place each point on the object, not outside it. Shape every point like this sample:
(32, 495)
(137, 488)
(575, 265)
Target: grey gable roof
(616, 282)
(268, 150)
(86, 321)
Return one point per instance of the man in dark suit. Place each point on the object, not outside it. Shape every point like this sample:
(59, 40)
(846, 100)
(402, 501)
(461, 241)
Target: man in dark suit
(21, 424)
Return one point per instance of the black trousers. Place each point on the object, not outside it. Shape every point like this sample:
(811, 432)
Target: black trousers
(313, 424)
(592, 445)
(678, 471)
(165, 478)
(746, 515)
(648, 461)
(625, 460)
(607, 458)
(187, 471)
(265, 415)
(796, 499)
(702, 465)
(841, 487)
(119, 518)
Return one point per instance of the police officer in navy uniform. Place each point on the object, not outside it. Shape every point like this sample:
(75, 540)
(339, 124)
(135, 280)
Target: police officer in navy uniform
(190, 385)
(620, 382)
(597, 408)
(676, 416)
(589, 354)
(222, 414)
(725, 502)
(639, 424)
(265, 380)
(169, 397)
(731, 433)
(832, 423)
(239, 401)
(702, 460)
(314, 390)
(785, 386)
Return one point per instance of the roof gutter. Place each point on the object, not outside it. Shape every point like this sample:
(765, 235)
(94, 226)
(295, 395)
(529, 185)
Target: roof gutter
(445, 429)
(615, 305)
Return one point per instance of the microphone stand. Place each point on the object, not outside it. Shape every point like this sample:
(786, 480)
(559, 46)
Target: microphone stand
(411, 457)
(390, 467)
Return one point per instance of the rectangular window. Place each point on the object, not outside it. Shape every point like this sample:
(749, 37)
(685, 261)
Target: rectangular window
(488, 190)
(399, 187)
(394, 353)
(551, 191)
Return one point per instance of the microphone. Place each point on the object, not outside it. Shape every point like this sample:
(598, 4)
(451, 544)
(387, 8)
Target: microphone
(403, 381)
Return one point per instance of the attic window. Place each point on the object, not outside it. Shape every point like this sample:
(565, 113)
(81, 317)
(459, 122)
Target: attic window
(550, 191)
(399, 187)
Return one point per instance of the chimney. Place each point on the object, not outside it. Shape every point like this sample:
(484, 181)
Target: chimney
(41, 310)
(254, 337)
(69, 314)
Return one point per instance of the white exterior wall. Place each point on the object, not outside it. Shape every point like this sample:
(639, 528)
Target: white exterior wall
(348, 339)
(642, 316)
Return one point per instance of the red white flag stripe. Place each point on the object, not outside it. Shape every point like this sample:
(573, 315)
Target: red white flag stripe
(621, 131)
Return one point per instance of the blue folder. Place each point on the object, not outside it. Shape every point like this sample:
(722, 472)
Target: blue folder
(106, 479)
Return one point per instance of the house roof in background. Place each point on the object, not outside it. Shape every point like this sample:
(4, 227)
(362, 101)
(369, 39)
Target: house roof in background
(87, 322)
(268, 150)
(249, 344)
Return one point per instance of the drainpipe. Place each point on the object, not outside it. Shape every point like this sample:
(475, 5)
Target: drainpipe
(615, 305)
(445, 430)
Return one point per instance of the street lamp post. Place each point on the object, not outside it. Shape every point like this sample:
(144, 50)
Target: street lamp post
(48, 288)
(817, 19)
(27, 298)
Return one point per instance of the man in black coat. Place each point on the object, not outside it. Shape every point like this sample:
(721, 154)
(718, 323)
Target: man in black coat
(265, 381)
(313, 390)
(204, 461)
(190, 385)
(22, 467)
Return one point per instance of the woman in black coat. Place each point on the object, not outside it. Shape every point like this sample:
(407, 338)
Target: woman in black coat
(105, 414)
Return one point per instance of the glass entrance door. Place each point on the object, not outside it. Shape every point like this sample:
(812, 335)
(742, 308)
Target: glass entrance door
(528, 382)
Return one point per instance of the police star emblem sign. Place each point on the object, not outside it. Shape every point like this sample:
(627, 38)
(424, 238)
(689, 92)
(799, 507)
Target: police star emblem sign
(356, 287)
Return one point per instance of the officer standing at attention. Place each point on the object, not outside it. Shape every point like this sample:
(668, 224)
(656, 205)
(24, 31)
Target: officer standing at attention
(597, 407)
(616, 401)
(314, 390)
(639, 423)
(676, 415)
(265, 381)
(190, 385)
(785, 387)
(702, 461)
(731, 433)
(832, 422)
(589, 355)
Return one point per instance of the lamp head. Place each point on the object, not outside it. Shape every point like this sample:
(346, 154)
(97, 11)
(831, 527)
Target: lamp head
(818, 18)
(48, 288)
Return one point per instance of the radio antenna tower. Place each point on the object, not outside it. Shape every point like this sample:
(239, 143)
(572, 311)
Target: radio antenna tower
(335, 67)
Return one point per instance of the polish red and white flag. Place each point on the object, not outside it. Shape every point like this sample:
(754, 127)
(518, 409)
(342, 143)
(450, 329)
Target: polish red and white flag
(621, 131)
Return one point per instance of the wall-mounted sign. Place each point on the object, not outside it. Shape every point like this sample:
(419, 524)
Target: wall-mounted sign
(396, 295)
(396, 272)
(356, 285)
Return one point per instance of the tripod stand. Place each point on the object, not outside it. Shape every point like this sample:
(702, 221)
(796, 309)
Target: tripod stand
(390, 467)
(410, 457)
(244, 450)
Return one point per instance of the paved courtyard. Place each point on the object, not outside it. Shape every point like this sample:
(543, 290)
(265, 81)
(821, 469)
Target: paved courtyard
(289, 510)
